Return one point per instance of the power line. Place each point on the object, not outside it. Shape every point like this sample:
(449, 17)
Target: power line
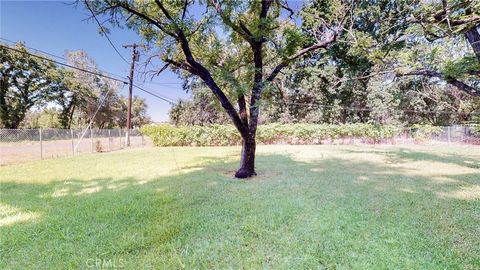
(156, 92)
(167, 85)
(169, 100)
(63, 58)
(54, 55)
(159, 83)
(33, 49)
(155, 95)
(105, 33)
(87, 71)
(370, 110)
(63, 64)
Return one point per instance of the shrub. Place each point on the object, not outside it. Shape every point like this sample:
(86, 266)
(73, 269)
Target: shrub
(422, 133)
(224, 135)
(98, 146)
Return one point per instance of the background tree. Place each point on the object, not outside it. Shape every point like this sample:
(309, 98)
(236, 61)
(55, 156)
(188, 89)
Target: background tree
(71, 96)
(86, 92)
(43, 118)
(139, 112)
(203, 109)
(25, 82)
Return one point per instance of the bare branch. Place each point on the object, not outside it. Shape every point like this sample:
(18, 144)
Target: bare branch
(161, 70)
(285, 6)
(185, 4)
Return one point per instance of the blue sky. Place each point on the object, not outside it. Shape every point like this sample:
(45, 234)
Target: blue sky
(55, 27)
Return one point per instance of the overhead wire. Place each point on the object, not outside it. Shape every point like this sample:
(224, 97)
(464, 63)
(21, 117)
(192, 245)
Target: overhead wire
(111, 43)
(105, 32)
(171, 101)
(370, 110)
(52, 55)
(64, 64)
(167, 83)
(91, 120)
(33, 49)
(164, 98)
(143, 84)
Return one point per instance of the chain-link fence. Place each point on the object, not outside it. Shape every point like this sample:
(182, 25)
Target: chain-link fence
(18, 145)
(457, 134)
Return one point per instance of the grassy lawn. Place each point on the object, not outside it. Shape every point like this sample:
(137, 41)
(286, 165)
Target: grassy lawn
(311, 207)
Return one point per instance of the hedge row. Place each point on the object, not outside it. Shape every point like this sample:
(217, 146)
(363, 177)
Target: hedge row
(223, 135)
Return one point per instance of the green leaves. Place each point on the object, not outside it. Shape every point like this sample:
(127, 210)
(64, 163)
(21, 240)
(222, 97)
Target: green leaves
(293, 41)
(224, 135)
(462, 67)
(26, 82)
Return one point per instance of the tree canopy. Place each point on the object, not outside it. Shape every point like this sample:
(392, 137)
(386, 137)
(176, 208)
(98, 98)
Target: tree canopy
(237, 48)
(247, 52)
(25, 82)
(35, 92)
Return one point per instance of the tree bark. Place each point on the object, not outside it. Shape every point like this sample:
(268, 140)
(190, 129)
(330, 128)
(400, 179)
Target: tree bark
(70, 119)
(247, 159)
(473, 37)
(246, 125)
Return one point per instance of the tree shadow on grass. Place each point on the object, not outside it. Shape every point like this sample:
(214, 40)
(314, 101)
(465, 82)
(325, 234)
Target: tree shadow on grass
(408, 155)
(329, 212)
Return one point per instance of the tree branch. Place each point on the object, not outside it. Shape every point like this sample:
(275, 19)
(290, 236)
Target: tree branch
(191, 65)
(328, 38)
(185, 4)
(434, 74)
(332, 36)
(242, 108)
(242, 31)
(285, 6)
(147, 18)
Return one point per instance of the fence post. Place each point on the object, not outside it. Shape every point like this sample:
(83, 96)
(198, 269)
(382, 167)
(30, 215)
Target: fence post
(91, 137)
(448, 134)
(73, 147)
(120, 137)
(41, 143)
(109, 143)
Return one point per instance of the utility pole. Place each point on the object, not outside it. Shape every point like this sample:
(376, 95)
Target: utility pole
(130, 86)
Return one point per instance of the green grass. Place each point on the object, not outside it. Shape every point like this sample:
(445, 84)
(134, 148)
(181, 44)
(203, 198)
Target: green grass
(310, 207)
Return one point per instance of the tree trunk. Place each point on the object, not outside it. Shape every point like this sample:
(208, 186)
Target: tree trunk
(247, 159)
(70, 119)
(473, 37)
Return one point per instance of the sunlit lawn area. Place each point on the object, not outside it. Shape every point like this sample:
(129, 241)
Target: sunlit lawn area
(310, 207)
